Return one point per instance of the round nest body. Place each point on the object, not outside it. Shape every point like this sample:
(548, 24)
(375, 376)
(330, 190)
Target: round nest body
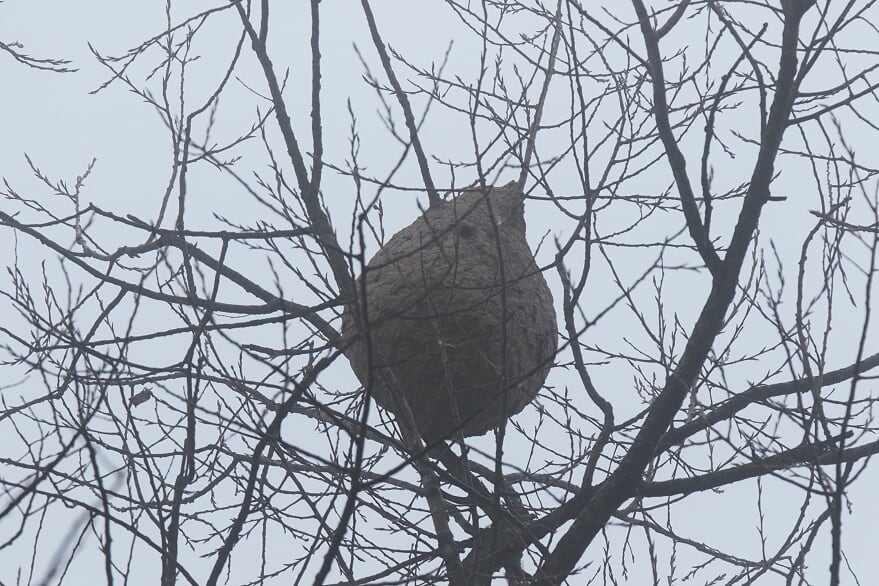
(458, 313)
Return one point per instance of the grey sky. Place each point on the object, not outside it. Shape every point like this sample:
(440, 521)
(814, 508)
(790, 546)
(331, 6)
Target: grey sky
(54, 119)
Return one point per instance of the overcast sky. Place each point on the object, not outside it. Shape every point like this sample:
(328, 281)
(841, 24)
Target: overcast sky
(62, 126)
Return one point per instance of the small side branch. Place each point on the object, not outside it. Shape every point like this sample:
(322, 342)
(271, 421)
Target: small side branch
(403, 99)
(676, 159)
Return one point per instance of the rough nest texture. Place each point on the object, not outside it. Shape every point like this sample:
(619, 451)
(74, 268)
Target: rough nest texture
(459, 314)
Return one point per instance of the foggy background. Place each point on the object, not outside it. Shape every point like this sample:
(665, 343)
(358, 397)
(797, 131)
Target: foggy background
(62, 125)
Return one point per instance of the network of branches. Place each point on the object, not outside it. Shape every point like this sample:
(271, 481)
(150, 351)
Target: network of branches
(701, 193)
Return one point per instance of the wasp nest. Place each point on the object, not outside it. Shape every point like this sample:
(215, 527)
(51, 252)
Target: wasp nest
(458, 312)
